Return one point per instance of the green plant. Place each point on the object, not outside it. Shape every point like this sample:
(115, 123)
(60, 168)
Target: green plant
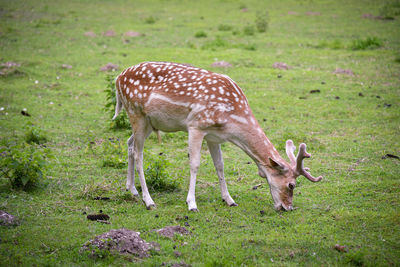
(34, 135)
(390, 10)
(224, 27)
(262, 21)
(23, 164)
(121, 122)
(249, 30)
(157, 177)
(150, 20)
(200, 34)
(218, 42)
(368, 43)
(114, 154)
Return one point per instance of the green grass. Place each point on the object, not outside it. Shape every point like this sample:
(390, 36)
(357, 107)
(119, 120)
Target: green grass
(356, 205)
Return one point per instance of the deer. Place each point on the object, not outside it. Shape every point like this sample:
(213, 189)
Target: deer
(171, 97)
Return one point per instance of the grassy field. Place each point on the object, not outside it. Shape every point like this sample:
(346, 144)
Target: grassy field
(348, 126)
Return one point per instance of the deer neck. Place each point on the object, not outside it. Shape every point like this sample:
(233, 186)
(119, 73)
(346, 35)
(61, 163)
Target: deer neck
(254, 142)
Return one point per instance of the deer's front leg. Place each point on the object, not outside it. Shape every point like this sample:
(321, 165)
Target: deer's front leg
(130, 180)
(139, 137)
(195, 140)
(216, 154)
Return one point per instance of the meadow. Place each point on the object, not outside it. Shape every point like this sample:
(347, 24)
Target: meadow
(340, 94)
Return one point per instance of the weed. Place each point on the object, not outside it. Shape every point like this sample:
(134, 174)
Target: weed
(121, 122)
(390, 10)
(150, 20)
(368, 43)
(157, 176)
(114, 154)
(249, 30)
(200, 34)
(218, 42)
(23, 164)
(34, 135)
(224, 27)
(262, 21)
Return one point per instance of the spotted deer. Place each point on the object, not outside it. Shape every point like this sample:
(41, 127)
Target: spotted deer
(174, 97)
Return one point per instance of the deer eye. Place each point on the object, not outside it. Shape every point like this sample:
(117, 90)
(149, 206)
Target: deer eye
(291, 186)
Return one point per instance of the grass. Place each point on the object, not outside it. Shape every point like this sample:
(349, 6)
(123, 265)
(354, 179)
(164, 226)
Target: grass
(356, 205)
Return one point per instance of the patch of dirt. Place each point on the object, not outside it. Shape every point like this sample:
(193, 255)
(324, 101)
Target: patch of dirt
(170, 231)
(341, 248)
(292, 13)
(221, 64)
(9, 68)
(132, 34)
(122, 241)
(109, 33)
(110, 67)
(90, 34)
(344, 71)
(98, 217)
(311, 13)
(370, 16)
(66, 66)
(7, 219)
(281, 66)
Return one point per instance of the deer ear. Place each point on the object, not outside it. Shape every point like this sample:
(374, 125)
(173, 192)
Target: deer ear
(277, 165)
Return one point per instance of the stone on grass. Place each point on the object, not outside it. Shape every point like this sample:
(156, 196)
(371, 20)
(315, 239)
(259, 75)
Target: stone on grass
(7, 219)
(170, 231)
(122, 241)
(110, 67)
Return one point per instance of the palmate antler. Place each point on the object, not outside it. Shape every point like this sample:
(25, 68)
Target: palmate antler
(297, 162)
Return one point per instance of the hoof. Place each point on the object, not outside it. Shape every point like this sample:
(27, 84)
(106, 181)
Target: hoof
(194, 210)
(233, 205)
(151, 207)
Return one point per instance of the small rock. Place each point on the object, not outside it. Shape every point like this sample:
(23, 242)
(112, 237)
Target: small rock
(221, 64)
(281, 66)
(7, 219)
(340, 248)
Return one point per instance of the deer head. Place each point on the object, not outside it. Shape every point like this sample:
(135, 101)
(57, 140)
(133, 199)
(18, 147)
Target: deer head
(282, 176)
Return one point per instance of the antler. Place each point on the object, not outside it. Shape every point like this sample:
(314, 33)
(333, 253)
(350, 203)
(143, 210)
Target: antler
(297, 162)
(290, 148)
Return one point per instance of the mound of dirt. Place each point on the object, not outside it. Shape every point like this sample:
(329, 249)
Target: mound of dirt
(281, 66)
(123, 241)
(109, 33)
(7, 219)
(170, 231)
(110, 67)
(344, 71)
(132, 34)
(221, 64)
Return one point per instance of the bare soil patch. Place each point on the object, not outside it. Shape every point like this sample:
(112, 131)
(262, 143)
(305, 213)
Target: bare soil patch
(344, 71)
(122, 241)
(7, 219)
(110, 67)
(281, 66)
(170, 231)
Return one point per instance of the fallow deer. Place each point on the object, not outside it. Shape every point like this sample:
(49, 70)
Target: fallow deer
(170, 97)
